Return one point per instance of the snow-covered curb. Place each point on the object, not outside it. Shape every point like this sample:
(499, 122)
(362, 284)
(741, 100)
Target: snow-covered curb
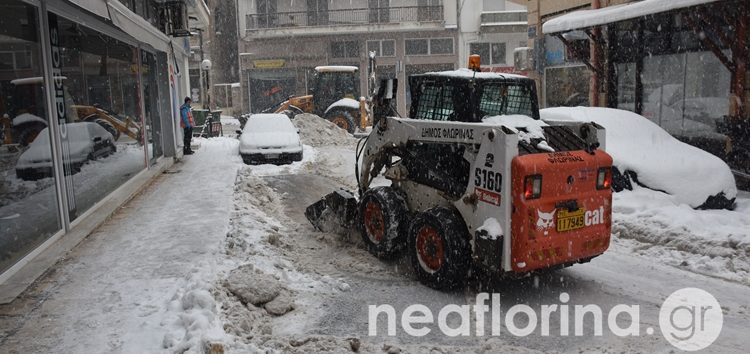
(711, 242)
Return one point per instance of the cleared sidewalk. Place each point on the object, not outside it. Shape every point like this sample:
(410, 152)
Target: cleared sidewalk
(111, 293)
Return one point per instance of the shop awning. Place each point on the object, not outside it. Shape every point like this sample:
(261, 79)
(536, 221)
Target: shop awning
(136, 26)
(98, 7)
(589, 18)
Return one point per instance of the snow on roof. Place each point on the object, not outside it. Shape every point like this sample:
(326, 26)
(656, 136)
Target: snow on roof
(468, 74)
(588, 18)
(269, 122)
(336, 68)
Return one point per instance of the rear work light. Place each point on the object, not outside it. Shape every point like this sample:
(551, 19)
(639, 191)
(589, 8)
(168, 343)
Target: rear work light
(532, 187)
(604, 178)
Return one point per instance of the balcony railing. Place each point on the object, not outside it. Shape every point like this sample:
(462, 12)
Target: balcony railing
(504, 17)
(345, 17)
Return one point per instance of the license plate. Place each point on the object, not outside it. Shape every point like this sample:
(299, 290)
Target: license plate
(272, 156)
(570, 220)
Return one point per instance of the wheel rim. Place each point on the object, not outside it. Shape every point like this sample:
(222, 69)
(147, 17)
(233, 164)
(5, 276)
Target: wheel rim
(341, 122)
(430, 249)
(374, 222)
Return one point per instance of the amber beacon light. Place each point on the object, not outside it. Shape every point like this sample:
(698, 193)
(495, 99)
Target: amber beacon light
(475, 62)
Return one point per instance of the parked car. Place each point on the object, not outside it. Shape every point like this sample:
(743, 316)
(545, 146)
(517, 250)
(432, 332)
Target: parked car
(646, 154)
(270, 137)
(86, 141)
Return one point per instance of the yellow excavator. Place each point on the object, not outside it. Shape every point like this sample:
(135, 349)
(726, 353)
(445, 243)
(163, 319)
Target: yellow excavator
(335, 97)
(22, 121)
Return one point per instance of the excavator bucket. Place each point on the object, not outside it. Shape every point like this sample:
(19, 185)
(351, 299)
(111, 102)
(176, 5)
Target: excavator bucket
(335, 210)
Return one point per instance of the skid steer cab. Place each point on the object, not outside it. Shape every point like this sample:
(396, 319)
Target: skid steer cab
(478, 182)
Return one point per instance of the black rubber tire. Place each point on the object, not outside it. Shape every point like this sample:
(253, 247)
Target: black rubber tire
(343, 119)
(112, 149)
(109, 128)
(292, 112)
(106, 125)
(382, 219)
(620, 181)
(445, 246)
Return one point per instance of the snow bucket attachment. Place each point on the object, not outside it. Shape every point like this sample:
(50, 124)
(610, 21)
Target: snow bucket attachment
(337, 209)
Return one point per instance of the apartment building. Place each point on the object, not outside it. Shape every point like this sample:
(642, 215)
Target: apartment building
(492, 29)
(282, 41)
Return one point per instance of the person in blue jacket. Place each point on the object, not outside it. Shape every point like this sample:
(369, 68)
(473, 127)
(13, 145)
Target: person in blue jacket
(187, 123)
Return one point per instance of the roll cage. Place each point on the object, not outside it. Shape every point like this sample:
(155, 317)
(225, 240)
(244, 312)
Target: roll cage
(469, 99)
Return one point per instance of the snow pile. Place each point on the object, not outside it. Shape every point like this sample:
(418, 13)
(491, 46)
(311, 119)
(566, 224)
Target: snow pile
(712, 242)
(192, 318)
(317, 131)
(660, 161)
(256, 288)
(259, 300)
(527, 128)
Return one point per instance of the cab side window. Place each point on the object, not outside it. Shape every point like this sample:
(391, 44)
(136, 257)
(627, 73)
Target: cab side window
(504, 99)
(435, 102)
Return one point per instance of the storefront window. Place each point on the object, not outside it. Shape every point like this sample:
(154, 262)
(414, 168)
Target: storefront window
(626, 86)
(101, 129)
(270, 87)
(686, 94)
(28, 204)
(567, 86)
(151, 104)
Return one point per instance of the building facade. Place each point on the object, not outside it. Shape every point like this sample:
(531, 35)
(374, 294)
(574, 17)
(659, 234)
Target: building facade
(90, 91)
(679, 64)
(492, 29)
(224, 55)
(282, 41)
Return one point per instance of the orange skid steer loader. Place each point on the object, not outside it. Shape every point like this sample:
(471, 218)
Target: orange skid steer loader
(478, 181)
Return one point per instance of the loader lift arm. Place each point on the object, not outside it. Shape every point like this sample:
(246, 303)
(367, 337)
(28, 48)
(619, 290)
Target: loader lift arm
(128, 126)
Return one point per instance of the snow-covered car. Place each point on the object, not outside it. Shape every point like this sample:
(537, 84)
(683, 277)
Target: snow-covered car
(270, 137)
(86, 141)
(645, 154)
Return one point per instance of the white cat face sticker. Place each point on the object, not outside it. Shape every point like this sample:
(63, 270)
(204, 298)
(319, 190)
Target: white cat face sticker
(545, 221)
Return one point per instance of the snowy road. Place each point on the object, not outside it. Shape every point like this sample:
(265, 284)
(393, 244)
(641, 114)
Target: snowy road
(618, 277)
